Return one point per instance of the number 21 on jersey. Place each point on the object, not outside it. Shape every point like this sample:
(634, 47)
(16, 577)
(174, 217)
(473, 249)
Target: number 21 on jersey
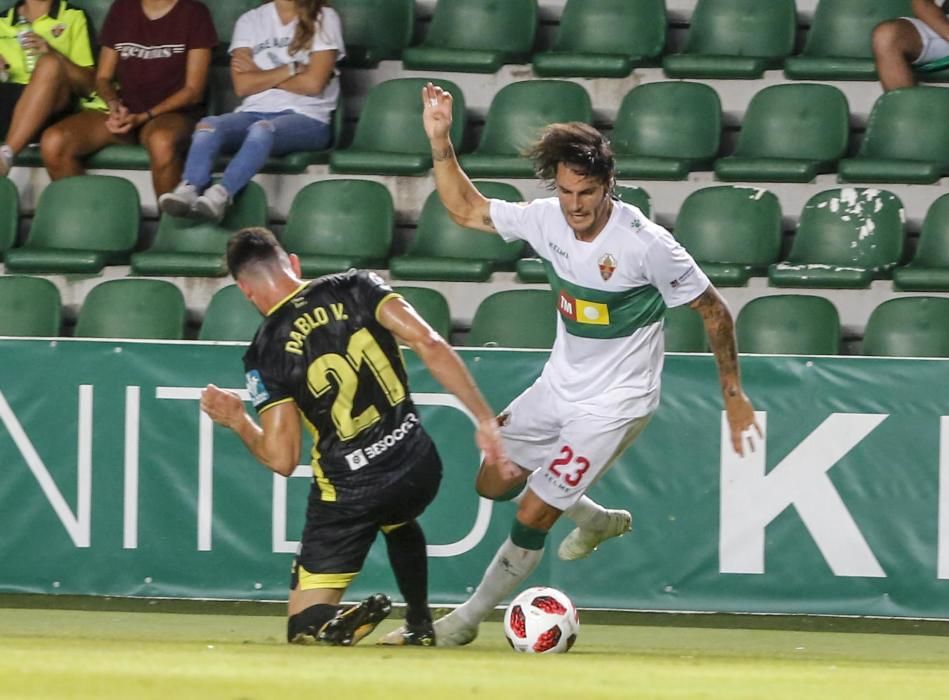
(362, 348)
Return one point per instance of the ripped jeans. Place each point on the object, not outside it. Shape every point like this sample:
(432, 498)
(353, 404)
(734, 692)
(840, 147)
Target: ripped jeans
(252, 137)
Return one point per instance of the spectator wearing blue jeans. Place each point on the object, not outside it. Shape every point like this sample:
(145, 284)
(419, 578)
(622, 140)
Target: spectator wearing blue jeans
(283, 65)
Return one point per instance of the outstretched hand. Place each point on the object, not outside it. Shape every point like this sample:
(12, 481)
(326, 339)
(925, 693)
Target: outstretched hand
(436, 111)
(741, 421)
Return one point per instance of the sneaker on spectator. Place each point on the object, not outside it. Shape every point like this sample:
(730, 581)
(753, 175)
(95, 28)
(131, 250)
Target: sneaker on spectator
(179, 201)
(212, 204)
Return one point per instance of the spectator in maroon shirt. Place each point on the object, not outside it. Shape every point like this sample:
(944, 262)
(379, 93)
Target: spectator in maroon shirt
(151, 78)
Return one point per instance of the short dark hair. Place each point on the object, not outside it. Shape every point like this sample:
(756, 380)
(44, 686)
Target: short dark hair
(251, 246)
(579, 146)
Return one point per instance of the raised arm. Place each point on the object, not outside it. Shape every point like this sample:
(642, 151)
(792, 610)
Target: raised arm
(466, 206)
(397, 316)
(275, 442)
(720, 329)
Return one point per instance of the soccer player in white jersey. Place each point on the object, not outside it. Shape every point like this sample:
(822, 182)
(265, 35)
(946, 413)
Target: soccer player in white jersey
(614, 273)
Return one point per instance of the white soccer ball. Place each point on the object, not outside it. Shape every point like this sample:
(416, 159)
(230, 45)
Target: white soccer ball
(541, 620)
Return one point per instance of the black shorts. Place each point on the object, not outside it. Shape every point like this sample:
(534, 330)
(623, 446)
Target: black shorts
(337, 536)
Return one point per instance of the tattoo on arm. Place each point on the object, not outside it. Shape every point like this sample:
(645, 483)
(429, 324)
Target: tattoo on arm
(720, 329)
(443, 154)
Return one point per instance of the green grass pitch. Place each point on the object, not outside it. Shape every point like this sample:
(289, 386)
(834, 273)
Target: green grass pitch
(104, 654)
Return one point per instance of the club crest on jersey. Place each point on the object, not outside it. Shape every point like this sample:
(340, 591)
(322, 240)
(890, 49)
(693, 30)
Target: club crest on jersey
(255, 387)
(58, 30)
(607, 265)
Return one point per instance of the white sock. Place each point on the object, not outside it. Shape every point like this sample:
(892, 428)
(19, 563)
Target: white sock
(587, 513)
(510, 566)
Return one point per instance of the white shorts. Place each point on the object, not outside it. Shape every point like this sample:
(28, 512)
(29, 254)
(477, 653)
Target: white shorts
(566, 450)
(934, 46)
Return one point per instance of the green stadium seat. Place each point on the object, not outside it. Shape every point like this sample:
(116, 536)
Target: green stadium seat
(605, 39)
(196, 248)
(375, 30)
(518, 113)
(735, 39)
(845, 239)
(225, 14)
(70, 232)
(908, 327)
(929, 269)
(519, 318)
(29, 307)
(789, 324)
(531, 270)
(665, 130)
(443, 250)
(734, 233)
(838, 45)
(9, 214)
(684, 330)
(335, 225)
(790, 133)
(475, 36)
(96, 10)
(230, 316)
(132, 308)
(431, 305)
(906, 139)
(390, 138)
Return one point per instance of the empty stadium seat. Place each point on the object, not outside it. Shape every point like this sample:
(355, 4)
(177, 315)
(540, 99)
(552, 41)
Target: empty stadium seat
(839, 45)
(477, 36)
(909, 327)
(132, 308)
(431, 305)
(443, 250)
(735, 39)
(531, 270)
(96, 10)
(665, 130)
(70, 231)
(789, 324)
(906, 139)
(375, 30)
(29, 306)
(845, 239)
(929, 269)
(520, 318)
(790, 133)
(230, 316)
(390, 138)
(9, 214)
(196, 248)
(225, 14)
(605, 39)
(518, 113)
(734, 233)
(334, 225)
(684, 330)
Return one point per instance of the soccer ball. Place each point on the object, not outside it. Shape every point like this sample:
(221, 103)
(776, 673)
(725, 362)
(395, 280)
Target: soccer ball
(541, 621)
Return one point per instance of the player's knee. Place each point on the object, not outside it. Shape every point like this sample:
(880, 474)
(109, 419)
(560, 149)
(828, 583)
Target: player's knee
(49, 68)
(163, 147)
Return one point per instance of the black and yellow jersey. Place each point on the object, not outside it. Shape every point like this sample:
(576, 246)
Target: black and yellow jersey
(324, 349)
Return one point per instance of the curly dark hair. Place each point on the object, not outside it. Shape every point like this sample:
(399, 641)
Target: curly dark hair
(579, 146)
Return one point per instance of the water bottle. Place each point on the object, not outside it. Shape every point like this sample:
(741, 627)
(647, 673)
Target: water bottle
(23, 30)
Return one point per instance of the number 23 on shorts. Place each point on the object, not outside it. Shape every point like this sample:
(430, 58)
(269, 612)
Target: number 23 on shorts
(569, 467)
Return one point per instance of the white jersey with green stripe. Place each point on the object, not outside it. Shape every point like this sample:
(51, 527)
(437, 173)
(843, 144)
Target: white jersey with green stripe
(611, 293)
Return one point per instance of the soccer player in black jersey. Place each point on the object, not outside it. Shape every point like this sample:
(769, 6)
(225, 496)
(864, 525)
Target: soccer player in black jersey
(327, 355)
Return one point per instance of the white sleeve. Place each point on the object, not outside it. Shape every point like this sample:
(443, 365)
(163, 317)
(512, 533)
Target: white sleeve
(329, 36)
(672, 271)
(518, 221)
(243, 36)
